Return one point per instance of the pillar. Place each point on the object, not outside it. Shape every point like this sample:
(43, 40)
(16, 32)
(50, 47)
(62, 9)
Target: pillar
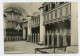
(24, 32)
(42, 27)
(38, 37)
(29, 28)
(57, 39)
(47, 38)
(64, 39)
(35, 37)
(52, 39)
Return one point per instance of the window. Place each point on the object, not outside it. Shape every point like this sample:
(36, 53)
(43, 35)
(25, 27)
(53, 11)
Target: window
(44, 18)
(52, 5)
(61, 2)
(66, 10)
(53, 14)
(60, 12)
(38, 19)
(34, 21)
(69, 8)
(56, 14)
(46, 8)
(63, 11)
(50, 16)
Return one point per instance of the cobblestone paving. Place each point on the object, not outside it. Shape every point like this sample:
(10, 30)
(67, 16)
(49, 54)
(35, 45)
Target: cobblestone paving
(20, 47)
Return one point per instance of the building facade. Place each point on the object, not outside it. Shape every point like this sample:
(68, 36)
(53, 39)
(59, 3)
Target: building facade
(13, 24)
(35, 28)
(57, 25)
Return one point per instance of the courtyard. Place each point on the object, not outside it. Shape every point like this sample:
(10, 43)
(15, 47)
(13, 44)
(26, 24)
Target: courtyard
(20, 47)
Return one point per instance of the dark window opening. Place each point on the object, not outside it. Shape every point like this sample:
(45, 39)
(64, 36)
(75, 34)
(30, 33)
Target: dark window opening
(52, 5)
(46, 9)
(61, 2)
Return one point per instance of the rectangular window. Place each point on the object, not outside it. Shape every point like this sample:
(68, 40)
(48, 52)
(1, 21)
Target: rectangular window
(52, 5)
(44, 18)
(69, 9)
(58, 14)
(64, 11)
(50, 16)
(53, 13)
(46, 8)
(61, 2)
(35, 21)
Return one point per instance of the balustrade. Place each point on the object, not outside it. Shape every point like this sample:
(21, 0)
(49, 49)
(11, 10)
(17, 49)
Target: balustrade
(59, 13)
(57, 40)
(35, 21)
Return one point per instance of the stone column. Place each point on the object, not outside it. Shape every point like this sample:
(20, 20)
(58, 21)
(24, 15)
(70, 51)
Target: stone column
(64, 40)
(42, 27)
(52, 39)
(57, 39)
(24, 32)
(38, 37)
(48, 39)
(29, 28)
(35, 37)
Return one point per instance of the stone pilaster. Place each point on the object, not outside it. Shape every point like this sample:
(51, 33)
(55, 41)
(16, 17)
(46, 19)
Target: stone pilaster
(42, 27)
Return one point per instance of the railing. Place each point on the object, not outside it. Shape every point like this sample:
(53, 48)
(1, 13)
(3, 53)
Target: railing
(42, 49)
(35, 25)
(33, 38)
(13, 38)
(35, 21)
(57, 20)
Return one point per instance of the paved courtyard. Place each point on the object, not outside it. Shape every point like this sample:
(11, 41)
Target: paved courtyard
(23, 47)
(20, 47)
